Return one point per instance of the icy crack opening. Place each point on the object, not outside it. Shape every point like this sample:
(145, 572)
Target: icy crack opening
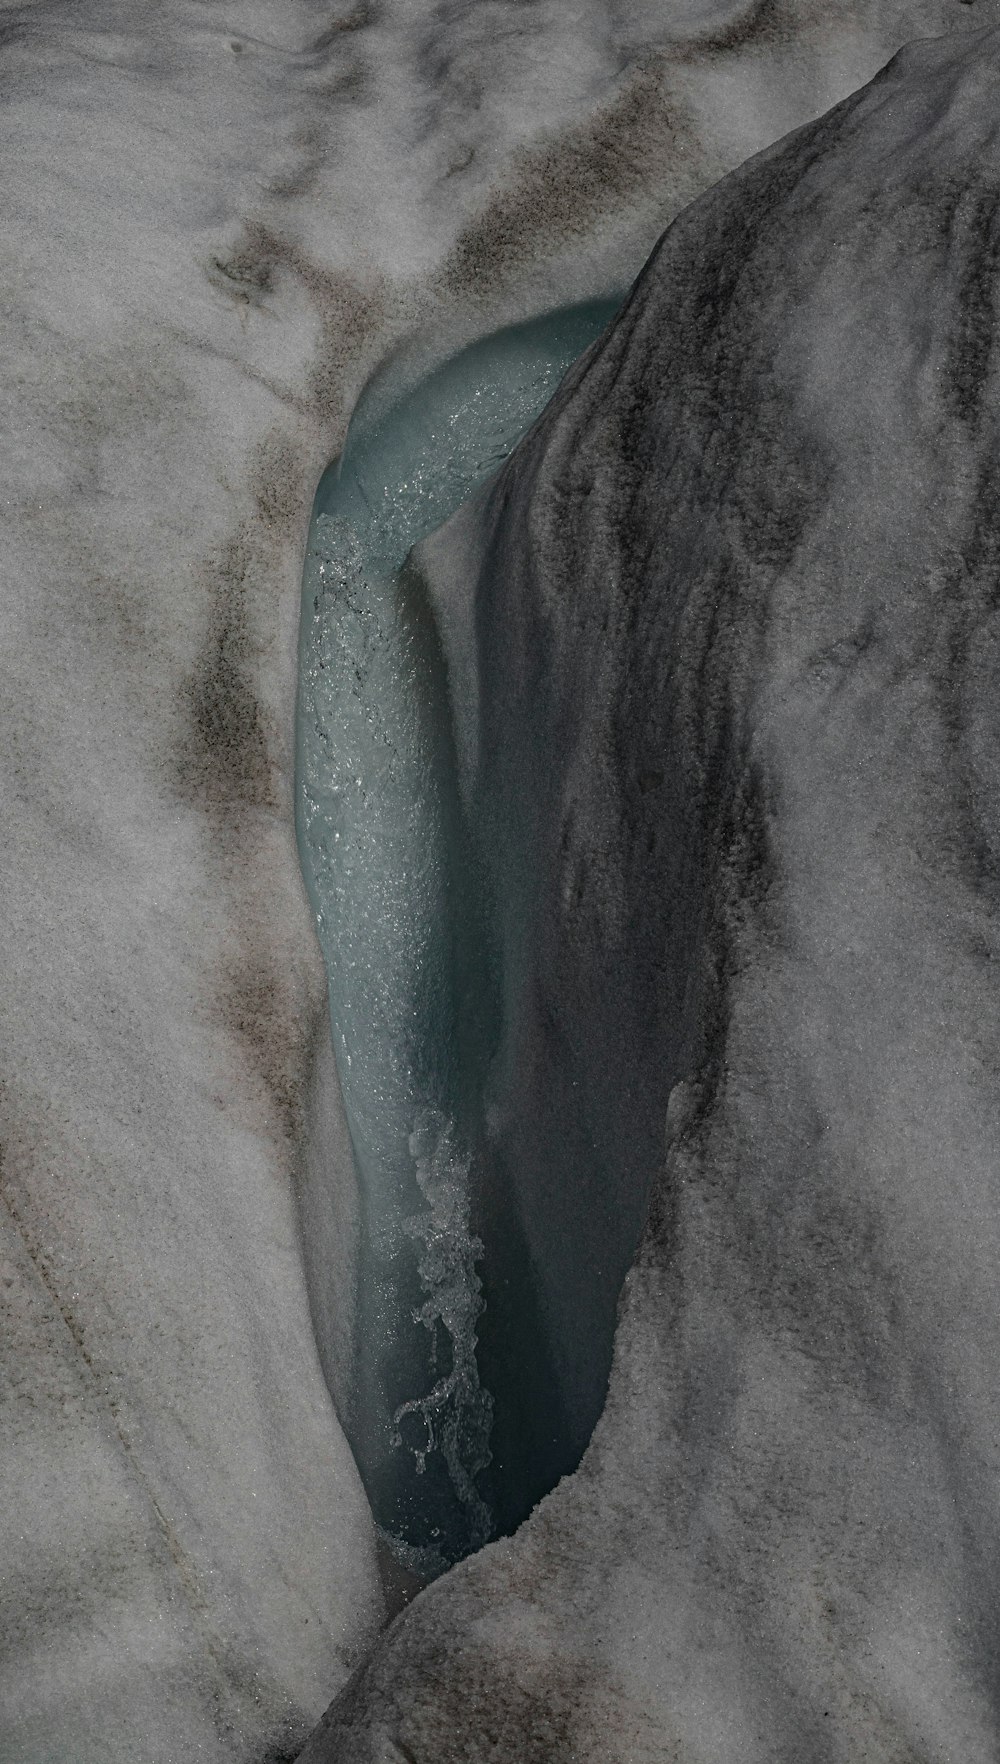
(393, 881)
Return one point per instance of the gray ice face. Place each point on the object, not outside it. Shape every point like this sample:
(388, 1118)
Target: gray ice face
(736, 623)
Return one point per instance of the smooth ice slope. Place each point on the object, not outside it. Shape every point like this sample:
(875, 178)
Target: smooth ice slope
(739, 592)
(394, 884)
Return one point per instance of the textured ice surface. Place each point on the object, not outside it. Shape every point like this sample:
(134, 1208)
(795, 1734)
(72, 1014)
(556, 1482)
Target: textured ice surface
(736, 637)
(218, 223)
(395, 889)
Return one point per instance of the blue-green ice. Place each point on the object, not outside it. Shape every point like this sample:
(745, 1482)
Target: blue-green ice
(392, 882)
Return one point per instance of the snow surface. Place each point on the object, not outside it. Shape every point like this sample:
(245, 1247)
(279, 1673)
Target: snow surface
(756, 864)
(219, 223)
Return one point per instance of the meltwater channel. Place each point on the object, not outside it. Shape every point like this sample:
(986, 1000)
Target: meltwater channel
(393, 883)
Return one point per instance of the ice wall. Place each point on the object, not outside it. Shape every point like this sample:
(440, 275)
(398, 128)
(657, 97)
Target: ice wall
(406, 932)
(737, 633)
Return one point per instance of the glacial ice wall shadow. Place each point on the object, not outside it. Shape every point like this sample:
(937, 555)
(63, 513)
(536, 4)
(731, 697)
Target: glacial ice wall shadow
(415, 996)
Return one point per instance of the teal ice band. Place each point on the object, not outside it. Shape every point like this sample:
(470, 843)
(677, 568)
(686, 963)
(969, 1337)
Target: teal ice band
(392, 879)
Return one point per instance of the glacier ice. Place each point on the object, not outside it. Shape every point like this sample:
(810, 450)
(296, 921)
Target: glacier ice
(213, 230)
(737, 622)
(395, 887)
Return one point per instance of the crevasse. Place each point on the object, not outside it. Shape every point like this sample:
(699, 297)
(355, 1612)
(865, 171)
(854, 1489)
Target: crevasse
(404, 931)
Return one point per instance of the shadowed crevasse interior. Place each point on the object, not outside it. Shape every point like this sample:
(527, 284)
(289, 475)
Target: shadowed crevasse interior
(450, 1397)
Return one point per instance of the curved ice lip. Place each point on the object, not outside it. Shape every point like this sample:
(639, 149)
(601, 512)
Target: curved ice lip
(392, 881)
